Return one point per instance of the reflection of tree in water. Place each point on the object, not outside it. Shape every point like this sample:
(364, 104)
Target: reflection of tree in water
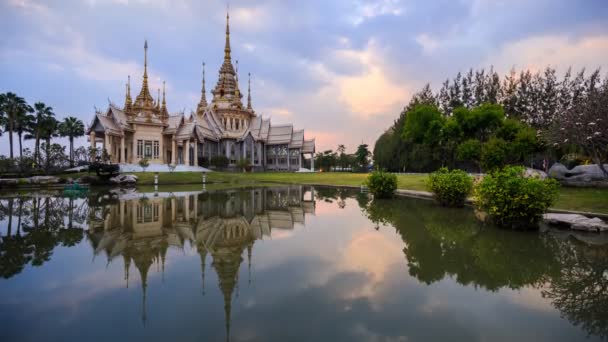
(580, 290)
(40, 227)
(442, 242)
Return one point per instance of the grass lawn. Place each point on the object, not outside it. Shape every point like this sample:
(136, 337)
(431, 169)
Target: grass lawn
(591, 200)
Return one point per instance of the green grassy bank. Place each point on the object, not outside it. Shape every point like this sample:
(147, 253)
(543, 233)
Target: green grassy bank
(579, 199)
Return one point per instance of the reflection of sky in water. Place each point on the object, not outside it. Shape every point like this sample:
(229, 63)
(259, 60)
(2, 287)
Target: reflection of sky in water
(334, 278)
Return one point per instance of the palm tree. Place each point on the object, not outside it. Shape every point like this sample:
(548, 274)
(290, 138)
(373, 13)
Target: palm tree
(42, 113)
(23, 123)
(12, 106)
(49, 130)
(72, 128)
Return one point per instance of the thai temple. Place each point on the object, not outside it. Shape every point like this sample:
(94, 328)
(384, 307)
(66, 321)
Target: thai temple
(144, 128)
(140, 229)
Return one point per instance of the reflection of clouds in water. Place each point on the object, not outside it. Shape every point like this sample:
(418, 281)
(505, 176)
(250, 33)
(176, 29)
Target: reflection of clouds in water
(528, 297)
(372, 253)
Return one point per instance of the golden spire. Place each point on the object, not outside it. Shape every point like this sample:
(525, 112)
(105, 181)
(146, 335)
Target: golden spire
(203, 103)
(144, 99)
(163, 109)
(158, 99)
(227, 47)
(128, 101)
(237, 92)
(249, 93)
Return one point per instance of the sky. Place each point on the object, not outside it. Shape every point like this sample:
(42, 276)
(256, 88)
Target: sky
(342, 70)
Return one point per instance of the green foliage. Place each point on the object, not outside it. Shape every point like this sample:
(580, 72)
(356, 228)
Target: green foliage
(362, 157)
(219, 161)
(513, 201)
(419, 120)
(469, 150)
(243, 164)
(144, 163)
(494, 154)
(450, 188)
(381, 184)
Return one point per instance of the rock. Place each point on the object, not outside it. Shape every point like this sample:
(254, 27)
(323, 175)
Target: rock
(534, 173)
(581, 173)
(586, 173)
(124, 179)
(576, 222)
(44, 180)
(558, 171)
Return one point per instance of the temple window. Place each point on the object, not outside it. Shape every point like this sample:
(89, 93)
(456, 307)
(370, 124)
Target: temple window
(149, 149)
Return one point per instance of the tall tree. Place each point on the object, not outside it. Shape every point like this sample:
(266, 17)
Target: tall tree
(42, 113)
(456, 93)
(480, 87)
(362, 156)
(12, 107)
(509, 93)
(467, 89)
(492, 85)
(50, 126)
(444, 97)
(71, 128)
(23, 123)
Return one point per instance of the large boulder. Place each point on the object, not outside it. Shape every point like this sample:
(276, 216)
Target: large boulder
(587, 173)
(576, 222)
(534, 173)
(558, 171)
(124, 179)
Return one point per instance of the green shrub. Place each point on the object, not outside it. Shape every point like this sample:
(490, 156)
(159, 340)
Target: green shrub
(450, 188)
(513, 201)
(144, 163)
(381, 184)
(219, 161)
(494, 154)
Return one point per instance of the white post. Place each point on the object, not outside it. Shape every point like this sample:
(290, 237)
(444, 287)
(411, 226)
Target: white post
(312, 162)
(186, 150)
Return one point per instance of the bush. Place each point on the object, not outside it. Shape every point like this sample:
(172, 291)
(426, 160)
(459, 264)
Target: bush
(381, 184)
(144, 163)
(219, 161)
(450, 188)
(494, 154)
(513, 201)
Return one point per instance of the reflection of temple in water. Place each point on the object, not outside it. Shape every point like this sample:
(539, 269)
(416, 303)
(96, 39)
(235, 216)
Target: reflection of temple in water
(141, 227)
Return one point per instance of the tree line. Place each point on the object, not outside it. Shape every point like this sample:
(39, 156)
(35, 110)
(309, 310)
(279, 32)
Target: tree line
(477, 121)
(339, 160)
(38, 123)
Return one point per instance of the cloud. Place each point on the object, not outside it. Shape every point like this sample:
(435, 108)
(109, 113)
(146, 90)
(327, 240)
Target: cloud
(428, 43)
(28, 6)
(365, 10)
(535, 53)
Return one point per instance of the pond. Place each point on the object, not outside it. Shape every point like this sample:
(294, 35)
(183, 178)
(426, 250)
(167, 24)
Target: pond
(287, 263)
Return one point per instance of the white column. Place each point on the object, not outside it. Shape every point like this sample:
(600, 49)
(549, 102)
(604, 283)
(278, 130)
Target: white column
(195, 152)
(173, 151)
(161, 149)
(299, 159)
(186, 151)
(312, 162)
(228, 150)
(288, 159)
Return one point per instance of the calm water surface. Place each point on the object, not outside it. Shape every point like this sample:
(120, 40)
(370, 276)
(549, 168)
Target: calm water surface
(287, 264)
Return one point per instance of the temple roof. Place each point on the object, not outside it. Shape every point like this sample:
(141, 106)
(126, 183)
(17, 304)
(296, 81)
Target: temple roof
(308, 146)
(279, 135)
